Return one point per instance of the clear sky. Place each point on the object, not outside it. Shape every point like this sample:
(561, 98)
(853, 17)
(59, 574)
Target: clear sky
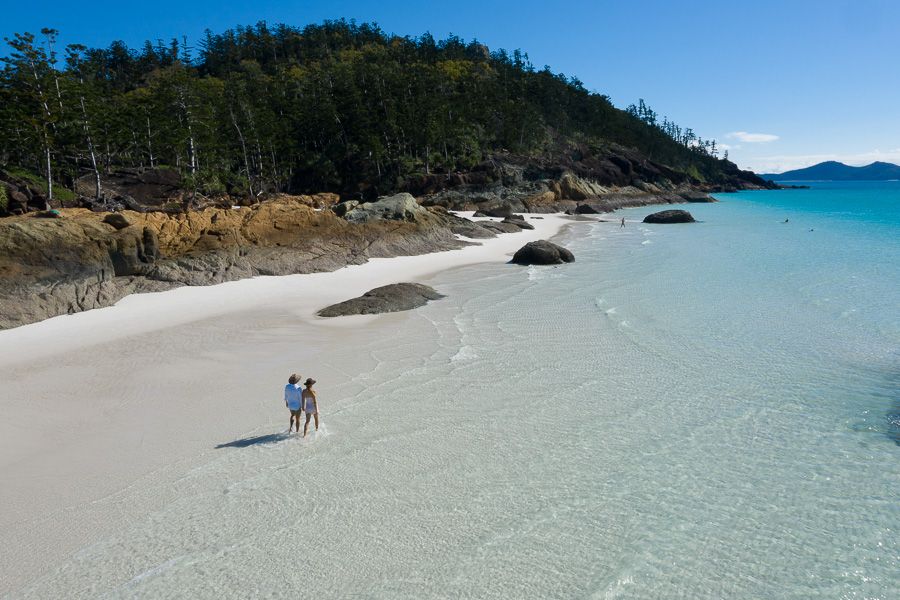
(783, 84)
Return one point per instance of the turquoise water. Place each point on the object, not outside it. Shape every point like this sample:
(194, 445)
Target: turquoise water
(688, 411)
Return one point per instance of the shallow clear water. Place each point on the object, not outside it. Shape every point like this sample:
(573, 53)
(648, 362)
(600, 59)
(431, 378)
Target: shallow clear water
(696, 411)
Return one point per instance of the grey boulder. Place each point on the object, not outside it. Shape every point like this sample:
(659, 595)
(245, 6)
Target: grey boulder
(670, 216)
(542, 252)
(400, 207)
(389, 298)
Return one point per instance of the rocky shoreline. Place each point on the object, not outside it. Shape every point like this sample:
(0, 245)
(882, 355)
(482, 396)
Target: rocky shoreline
(75, 259)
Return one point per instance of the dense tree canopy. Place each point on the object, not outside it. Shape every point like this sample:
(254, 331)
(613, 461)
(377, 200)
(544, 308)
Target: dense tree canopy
(338, 106)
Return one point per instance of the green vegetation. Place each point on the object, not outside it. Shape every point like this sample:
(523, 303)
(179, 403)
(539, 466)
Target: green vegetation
(333, 107)
(4, 201)
(37, 182)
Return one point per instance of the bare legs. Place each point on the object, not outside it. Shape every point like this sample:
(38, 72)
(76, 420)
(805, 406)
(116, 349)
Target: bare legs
(295, 418)
(306, 425)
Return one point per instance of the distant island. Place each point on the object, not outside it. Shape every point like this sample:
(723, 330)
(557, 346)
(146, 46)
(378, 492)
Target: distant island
(836, 171)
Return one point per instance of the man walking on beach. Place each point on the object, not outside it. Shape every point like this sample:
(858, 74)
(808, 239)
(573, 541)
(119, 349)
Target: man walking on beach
(293, 399)
(623, 221)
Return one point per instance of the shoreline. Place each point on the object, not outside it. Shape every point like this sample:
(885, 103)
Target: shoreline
(142, 391)
(146, 312)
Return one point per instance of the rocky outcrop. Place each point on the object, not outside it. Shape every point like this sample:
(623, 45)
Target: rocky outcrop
(576, 178)
(697, 196)
(19, 196)
(147, 188)
(84, 260)
(400, 207)
(670, 216)
(519, 222)
(542, 252)
(501, 226)
(389, 298)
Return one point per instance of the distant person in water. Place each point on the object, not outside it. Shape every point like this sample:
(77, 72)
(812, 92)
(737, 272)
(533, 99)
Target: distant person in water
(623, 221)
(293, 399)
(310, 404)
(786, 220)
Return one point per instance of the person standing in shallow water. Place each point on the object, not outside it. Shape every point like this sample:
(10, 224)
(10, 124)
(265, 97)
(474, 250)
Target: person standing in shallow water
(310, 404)
(293, 399)
(623, 221)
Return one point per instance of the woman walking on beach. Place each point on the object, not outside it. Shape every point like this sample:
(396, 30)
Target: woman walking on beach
(293, 399)
(310, 404)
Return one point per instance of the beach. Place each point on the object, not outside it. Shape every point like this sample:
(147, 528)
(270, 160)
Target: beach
(96, 401)
(648, 421)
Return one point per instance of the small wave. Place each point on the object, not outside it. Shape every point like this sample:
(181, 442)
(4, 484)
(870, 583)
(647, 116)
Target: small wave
(464, 353)
(645, 242)
(611, 311)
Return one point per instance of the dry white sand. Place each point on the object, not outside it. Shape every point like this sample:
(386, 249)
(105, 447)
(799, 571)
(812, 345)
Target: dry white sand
(93, 403)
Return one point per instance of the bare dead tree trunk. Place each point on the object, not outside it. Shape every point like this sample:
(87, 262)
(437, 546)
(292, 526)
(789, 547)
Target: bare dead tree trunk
(40, 91)
(149, 144)
(98, 193)
(244, 149)
(49, 178)
(275, 181)
(192, 150)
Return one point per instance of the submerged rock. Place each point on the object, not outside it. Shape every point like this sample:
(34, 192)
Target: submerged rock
(389, 298)
(542, 252)
(670, 216)
(697, 196)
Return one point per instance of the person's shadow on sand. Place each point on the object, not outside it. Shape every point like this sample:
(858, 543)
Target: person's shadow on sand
(269, 438)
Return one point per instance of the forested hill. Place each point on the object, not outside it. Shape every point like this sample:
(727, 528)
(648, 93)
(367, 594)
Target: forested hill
(339, 107)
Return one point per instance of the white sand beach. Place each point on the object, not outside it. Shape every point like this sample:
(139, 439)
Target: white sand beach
(96, 404)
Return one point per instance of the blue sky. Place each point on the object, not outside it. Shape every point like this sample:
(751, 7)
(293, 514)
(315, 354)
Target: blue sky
(783, 84)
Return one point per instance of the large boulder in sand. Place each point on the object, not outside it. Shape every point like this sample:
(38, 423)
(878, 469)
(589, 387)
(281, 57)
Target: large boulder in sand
(502, 226)
(670, 216)
(389, 298)
(502, 211)
(586, 209)
(542, 252)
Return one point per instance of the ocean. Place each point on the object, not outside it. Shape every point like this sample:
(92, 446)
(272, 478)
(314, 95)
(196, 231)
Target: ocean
(706, 410)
